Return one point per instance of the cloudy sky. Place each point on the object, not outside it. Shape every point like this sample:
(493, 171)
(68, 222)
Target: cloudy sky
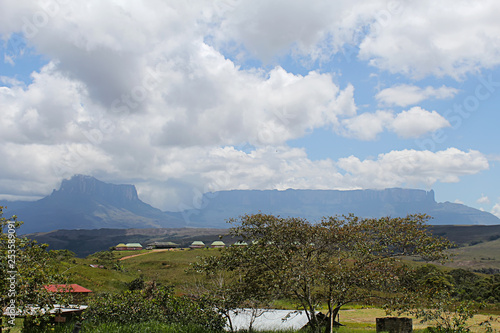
(186, 97)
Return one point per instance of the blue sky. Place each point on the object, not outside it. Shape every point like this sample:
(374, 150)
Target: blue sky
(183, 98)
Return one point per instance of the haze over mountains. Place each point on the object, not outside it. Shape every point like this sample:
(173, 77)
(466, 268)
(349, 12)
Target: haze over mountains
(84, 202)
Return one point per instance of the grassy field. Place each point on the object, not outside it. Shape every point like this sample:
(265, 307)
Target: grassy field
(96, 279)
(165, 267)
(366, 318)
(481, 255)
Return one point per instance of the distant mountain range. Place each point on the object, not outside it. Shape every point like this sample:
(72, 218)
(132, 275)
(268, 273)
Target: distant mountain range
(84, 202)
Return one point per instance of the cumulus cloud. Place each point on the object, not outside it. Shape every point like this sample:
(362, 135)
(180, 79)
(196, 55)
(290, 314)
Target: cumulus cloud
(413, 38)
(416, 122)
(44, 112)
(367, 126)
(423, 39)
(413, 167)
(405, 94)
(412, 123)
(270, 28)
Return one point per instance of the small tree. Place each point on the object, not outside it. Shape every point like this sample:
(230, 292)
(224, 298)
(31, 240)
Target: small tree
(223, 288)
(337, 261)
(152, 303)
(25, 268)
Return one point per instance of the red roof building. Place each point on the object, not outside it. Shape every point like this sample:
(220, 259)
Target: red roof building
(67, 288)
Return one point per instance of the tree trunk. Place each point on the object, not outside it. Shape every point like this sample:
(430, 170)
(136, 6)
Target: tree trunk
(335, 312)
(332, 318)
(332, 313)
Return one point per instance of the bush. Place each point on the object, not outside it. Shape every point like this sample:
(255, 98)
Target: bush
(151, 326)
(152, 304)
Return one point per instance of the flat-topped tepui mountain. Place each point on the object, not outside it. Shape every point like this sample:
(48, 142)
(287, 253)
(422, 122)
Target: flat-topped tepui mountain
(315, 204)
(84, 202)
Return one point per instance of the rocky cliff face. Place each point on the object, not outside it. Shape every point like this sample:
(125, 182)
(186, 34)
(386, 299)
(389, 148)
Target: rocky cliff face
(84, 202)
(314, 204)
(80, 185)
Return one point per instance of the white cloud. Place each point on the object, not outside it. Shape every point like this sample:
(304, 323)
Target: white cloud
(271, 28)
(414, 38)
(405, 94)
(435, 38)
(8, 60)
(43, 112)
(496, 210)
(413, 168)
(416, 122)
(406, 124)
(483, 199)
(176, 101)
(367, 126)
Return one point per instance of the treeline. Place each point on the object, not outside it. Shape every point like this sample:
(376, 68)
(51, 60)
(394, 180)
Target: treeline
(461, 284)
(467, 285)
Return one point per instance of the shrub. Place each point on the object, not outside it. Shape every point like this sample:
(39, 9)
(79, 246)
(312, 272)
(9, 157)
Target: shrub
(152, 304)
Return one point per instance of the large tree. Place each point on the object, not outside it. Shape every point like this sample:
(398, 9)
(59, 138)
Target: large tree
(338, 260)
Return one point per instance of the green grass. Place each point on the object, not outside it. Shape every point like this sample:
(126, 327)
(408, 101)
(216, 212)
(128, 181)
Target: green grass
(482, 255)
(121, 254)
(166, 267)
(96, 279)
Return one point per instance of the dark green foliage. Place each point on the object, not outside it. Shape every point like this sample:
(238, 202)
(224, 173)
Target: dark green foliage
(487, 270)
(152, 304)
(471, 286)
(461, 284)
(143, 327)
(25, 268)
(102, 257)
(62, 255)
(136, 284)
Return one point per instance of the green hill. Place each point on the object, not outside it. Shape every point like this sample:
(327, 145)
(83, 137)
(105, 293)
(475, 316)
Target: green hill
(164, 267)
(484, 255)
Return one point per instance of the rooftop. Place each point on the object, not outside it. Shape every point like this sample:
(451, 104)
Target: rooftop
(67, 288)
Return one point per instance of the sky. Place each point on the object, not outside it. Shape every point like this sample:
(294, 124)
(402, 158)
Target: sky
(186, 97)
